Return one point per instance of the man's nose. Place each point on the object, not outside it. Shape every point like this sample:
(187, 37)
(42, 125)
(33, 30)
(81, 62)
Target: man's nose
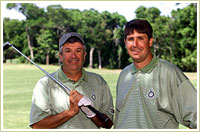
(135, 43)
(73, 55)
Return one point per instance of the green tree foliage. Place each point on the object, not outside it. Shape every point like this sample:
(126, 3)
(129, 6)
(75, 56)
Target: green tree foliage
(59, 19)
(35, 17)
(47, 46)
(13, 31)
(185, 21)
(113, 39)
(175, 38)
(90, 30)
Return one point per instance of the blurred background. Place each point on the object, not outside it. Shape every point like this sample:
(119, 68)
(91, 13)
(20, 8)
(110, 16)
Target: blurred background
(36, 28)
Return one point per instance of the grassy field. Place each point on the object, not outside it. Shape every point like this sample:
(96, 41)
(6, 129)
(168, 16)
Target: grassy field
(19, 81)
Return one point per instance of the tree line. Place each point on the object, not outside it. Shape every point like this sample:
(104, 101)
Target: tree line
(175, 37)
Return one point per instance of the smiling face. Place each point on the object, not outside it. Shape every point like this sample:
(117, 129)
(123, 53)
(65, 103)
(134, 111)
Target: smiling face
(139, 47)
(72, 57)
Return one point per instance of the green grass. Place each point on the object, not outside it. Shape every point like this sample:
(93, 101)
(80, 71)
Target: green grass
(19, 81)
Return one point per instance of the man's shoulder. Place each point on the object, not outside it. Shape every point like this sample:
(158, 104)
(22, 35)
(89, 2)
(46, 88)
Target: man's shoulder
(46, 78)
(44, 83)
(128, 68)
(94, 77)
(127, 71)
(166, 64)
(171, 69)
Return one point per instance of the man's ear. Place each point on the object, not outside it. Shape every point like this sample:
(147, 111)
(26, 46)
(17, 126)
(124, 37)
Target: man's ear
(85, 55)
(60, 55)
(125, 42)
(150, 42)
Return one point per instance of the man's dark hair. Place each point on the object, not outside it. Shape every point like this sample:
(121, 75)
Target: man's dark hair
(141, 26)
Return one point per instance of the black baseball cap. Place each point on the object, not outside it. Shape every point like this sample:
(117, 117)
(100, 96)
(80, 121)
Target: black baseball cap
(67, 36)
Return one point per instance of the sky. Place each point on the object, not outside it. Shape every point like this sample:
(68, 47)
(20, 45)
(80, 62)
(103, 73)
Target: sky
(125, 8)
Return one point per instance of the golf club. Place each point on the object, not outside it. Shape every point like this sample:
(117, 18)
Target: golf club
(107, 122)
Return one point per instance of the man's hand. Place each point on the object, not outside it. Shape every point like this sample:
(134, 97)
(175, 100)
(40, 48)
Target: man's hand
(86, 102)
(74, 98)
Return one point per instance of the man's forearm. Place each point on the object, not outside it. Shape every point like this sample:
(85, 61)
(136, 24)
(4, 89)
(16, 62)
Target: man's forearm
(53, 121)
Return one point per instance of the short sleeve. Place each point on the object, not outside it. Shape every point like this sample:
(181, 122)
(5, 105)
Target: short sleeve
(107, 102)
(40, 107)
(184, 100)
(185, 105)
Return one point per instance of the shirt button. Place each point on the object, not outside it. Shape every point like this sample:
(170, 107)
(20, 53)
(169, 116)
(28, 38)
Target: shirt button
(73, 82)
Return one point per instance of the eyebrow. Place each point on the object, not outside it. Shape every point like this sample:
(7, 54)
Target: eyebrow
(68, 48)
(140, 36)
(135, 37)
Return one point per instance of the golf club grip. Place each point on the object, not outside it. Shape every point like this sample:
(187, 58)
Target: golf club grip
(99, 114)
(106, 121)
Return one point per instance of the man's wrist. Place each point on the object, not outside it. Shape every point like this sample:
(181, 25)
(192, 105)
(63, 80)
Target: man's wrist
(71, 112)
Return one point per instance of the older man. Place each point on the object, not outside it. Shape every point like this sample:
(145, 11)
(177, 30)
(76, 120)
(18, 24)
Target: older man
(53, 108)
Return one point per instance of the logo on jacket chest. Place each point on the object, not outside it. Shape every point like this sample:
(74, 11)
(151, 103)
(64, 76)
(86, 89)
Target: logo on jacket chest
(151, 94)
(93, 96)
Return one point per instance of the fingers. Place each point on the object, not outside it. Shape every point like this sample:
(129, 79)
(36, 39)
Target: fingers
(75, 97)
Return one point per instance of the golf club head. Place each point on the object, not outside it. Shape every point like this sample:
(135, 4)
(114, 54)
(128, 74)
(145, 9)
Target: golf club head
(6, 46)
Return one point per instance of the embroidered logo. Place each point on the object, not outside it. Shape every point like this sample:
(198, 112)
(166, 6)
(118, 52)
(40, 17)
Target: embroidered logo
(93, 96)
(151, 94)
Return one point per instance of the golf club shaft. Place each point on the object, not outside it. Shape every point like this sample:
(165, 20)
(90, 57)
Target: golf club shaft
(58, 82)
(101, 116)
